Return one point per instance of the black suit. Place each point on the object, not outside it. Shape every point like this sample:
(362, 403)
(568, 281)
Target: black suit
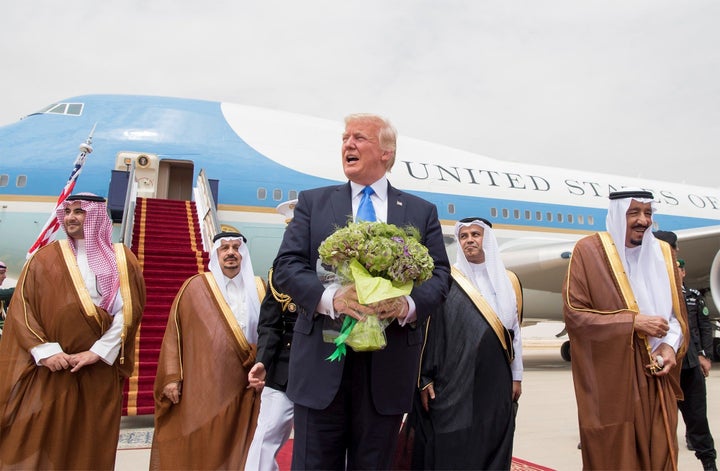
(314, 382)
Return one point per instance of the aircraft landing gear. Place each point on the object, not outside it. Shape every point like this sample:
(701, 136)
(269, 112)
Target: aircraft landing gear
(565, 350)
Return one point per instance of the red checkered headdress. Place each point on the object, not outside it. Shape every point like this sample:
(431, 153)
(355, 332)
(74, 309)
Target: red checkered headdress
(98, 243)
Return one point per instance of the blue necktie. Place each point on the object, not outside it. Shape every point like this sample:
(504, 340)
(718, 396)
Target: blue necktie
(365, 211)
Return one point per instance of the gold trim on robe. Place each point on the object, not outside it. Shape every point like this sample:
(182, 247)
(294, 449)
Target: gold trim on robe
(124, 288)
(487, 312)
(670, 266)
(229, 316)
(517, 287)
(74, 270)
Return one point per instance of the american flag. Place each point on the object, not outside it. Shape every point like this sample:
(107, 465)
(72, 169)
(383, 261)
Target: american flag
(51, 226)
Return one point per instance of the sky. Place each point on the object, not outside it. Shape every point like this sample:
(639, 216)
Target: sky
(627, 87)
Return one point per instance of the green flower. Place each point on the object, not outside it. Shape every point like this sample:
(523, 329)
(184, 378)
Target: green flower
(385, 250)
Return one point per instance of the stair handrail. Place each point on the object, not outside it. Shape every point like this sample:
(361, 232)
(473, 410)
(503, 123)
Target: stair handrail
(206, 210)
(128, 220)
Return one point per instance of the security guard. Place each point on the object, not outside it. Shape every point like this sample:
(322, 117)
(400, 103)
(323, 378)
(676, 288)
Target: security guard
(695, 368)
(278, 314)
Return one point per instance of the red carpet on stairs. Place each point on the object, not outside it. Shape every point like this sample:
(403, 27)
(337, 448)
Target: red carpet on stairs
(168, 245)
(284, 460)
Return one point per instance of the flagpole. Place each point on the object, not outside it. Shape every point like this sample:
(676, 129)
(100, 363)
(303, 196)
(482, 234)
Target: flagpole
(52, 225)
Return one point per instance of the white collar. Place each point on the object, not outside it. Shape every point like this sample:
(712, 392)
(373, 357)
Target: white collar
(380, 188)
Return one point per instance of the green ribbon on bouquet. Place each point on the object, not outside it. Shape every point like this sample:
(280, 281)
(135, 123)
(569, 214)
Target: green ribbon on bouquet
(340, 348)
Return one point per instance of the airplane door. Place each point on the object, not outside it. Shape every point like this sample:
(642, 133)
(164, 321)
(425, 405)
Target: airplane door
(175, 179)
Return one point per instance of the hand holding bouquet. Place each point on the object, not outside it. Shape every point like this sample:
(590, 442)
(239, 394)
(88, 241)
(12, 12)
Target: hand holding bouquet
(382, 262)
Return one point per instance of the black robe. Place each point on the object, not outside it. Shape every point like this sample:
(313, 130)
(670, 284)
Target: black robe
(471, 422)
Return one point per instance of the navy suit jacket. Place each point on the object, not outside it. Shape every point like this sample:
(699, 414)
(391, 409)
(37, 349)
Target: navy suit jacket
(313, 380)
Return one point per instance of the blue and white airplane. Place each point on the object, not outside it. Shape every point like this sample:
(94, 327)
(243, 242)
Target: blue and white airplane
(260, 158)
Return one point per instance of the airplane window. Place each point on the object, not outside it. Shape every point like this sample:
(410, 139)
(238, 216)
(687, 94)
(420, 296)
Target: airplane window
(538, 215)
(505, 213)
(75, 109)
(493, 212)
(516, 213)
(591, 220)
(4, 178)
(528, 214)
(570, 218)
(451, 208)
(47, 108)
(292, 194)
(262, 193)
(277, 194)
(581, 219)
(559, 217)
(59, 109)
(549, 216)
(21, 181)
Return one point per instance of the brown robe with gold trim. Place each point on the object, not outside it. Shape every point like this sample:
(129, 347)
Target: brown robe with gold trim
(213, 424)
(621, 418)
(60, 420)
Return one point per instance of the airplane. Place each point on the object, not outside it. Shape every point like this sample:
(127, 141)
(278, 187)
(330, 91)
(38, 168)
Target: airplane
(256, 159)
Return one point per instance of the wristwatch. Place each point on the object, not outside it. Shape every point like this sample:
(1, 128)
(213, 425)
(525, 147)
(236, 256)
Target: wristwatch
(702, 352)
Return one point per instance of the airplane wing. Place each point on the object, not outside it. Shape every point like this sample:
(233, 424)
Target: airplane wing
(541, 265)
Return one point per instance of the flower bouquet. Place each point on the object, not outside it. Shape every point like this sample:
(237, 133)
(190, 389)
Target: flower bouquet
(383, 261)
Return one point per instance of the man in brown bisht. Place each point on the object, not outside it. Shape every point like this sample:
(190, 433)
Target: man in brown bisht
(68, 345)
(205, 414)
(625, 315)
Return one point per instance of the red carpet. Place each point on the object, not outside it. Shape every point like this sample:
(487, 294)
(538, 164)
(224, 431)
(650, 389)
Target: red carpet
(284, 459)
(168, 245)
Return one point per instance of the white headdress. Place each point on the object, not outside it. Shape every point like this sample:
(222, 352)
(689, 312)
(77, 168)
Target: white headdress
(252, 303)
(649, 277)
(507, 303)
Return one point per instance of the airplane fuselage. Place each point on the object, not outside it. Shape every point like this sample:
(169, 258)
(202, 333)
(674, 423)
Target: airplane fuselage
(262, 157)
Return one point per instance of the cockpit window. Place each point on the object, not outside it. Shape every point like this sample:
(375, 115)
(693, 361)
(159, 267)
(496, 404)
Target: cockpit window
(71, 109)
(75, 109)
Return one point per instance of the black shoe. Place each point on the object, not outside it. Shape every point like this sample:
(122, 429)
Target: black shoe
(709, 466)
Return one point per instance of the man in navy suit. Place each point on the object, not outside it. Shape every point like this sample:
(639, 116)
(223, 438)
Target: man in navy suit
(348, 412)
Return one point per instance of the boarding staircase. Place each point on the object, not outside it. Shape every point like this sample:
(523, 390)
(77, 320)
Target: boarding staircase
(167, 242)
(170, 239)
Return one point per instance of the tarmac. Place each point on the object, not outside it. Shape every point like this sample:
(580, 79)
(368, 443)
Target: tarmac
(546, 433)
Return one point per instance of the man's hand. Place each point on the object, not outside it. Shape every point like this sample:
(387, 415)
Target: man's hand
(78, 360)
(391, 308)
(705, 365)
(668, 356)
(427, 395)
(256, 377)
(57, 362)
(173, 391)
(654, 326)
(346, 302)
(516, 390)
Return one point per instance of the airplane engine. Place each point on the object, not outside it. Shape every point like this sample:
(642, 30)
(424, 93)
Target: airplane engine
(715, 293)
(715, 281)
